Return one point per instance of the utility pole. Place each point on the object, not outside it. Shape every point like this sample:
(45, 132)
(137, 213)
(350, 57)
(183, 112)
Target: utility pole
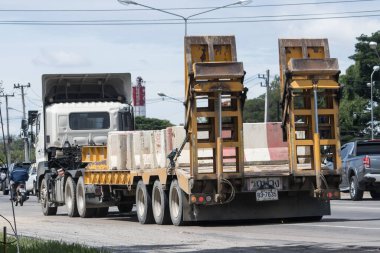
(24, 122)
(266, 110)
(8, 137)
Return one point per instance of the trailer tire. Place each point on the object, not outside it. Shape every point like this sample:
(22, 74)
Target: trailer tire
(144, 204)
(83, 211)
(160, 204)
(44, 199)
(355, 192)
(101, 212)
(70, 197)
(176, 203)
(125, 208)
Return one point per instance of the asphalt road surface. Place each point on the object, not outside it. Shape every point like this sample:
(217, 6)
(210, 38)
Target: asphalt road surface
(352, 227)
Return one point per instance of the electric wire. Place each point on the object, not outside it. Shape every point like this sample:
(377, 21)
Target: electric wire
(42, 23)
(193, 19)
(190, 8)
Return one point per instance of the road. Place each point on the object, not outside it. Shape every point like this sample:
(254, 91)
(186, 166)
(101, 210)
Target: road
(352, 227)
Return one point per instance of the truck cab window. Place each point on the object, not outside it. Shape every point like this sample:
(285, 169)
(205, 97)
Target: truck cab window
(89, 120)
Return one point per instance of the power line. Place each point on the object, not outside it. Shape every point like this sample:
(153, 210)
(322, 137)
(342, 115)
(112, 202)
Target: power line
(42, 23)
(189, 8)
(194, 19)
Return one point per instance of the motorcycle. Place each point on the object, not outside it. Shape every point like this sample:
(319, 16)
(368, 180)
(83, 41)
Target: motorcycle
(20, 194)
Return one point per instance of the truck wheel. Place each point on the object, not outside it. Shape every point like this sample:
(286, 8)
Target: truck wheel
(355, 192)
(70, 197)
(44, 199)
(125, 208)
(176, 203)
(101, 212)
(144, 204)
(375, 194)
(160, 204)
(5, 192)
(83, 211)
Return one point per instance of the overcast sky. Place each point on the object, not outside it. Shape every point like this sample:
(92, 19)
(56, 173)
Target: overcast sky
(155, 51)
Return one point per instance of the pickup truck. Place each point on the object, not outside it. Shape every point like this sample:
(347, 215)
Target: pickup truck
(361, 168)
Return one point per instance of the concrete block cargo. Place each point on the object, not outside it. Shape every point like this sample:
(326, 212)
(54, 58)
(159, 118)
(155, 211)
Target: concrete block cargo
(214, 167)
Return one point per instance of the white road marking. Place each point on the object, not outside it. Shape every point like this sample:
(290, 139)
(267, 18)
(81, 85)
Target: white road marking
(332, 226)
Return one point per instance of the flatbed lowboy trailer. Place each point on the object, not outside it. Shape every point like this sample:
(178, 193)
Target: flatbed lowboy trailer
(219, 185)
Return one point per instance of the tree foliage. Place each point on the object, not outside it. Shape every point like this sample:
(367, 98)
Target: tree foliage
(355, 103)
(17, 150)
(254, 108)
(143, 123)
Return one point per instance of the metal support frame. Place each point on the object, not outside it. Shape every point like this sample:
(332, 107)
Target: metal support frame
(309, 86)
(213, 88)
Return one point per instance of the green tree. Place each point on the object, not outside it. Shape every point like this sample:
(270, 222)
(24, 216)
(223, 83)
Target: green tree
(254, 108)
(143, 123)
(355, 102)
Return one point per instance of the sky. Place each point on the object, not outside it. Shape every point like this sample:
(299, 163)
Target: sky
(155, 51)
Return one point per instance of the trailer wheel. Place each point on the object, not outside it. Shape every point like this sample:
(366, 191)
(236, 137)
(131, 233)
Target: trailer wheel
(83, 211)
(160, 204)
(355, 192)
(125, 208)
(101, 212)
(144, 204)
(70, 197)
(44, 199)
(176, 203)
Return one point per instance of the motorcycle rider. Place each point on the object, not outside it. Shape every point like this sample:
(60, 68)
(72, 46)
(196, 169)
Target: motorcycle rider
(18, 175)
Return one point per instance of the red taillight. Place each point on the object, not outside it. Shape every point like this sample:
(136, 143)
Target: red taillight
(367, 162)
(201, 199)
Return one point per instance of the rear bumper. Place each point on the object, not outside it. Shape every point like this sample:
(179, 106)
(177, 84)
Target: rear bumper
(372, 177)
(245, 207)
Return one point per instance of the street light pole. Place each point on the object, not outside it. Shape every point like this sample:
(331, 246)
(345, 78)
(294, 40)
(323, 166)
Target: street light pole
(375, 68)
(163, 95)
(185, 19)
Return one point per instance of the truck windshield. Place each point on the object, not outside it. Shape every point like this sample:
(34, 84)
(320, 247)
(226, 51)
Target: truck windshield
(368, 149)
(89, 120)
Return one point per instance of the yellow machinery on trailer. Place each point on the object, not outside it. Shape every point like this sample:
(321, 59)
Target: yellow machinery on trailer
(219, 185)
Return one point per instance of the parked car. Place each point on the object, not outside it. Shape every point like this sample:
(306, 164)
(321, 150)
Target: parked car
(4, 186)
(361, 168)
(31, 183)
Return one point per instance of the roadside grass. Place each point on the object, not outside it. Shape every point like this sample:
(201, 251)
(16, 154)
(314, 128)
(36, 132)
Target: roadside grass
(33, 245)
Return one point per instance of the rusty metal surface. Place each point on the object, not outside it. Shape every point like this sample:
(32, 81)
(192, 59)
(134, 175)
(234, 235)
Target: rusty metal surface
(218, 70)
(313, 66)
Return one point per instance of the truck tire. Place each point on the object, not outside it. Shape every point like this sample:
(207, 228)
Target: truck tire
(160, 204)
(355, 193)
(70, 197)
(144, 204)
(125, 208)
(101, 212)
(44, 199)
(375, 194)
(176, 203)
(83, 211)
(5, 192)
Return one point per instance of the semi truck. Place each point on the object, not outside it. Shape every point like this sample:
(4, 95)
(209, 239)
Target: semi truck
(200, 171)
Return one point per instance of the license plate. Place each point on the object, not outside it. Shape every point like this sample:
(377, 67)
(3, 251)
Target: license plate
(22, 190)
(264, 182)
(266, 195)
